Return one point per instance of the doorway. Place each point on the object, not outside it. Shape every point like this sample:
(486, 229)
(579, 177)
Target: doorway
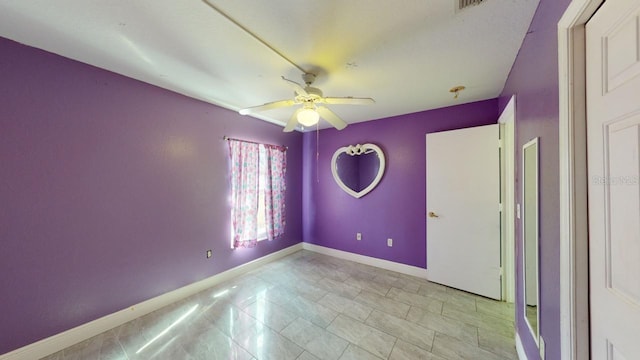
(507, 198)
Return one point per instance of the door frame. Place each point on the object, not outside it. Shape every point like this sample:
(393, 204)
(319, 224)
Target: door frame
(574, 241)
(507, 197)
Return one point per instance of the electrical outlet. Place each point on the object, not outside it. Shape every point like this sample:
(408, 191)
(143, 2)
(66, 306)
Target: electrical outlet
(542, 348)
(209, 254)
(358, 236)
(389, 242)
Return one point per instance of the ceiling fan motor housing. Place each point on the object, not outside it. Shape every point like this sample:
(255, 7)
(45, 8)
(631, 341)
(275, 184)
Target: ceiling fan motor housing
(314, 93)
(308, 78)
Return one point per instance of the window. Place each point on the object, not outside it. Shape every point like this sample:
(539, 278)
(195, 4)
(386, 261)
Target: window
(262, 180)
(257, 192)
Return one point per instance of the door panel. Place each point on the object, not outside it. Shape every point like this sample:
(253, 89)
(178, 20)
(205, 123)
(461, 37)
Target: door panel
(463, 194)
(613, 138)
(623, 255)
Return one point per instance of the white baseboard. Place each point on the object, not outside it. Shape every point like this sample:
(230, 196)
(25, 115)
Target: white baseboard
(367, 260)
(88, 330)
(520, 349)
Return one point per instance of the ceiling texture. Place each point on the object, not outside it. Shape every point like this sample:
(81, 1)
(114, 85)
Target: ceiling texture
(404, 54)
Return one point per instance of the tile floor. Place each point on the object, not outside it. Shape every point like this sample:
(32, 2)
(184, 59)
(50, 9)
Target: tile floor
(311, 306)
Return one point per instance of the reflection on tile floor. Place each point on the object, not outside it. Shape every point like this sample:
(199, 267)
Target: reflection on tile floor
(312, 306)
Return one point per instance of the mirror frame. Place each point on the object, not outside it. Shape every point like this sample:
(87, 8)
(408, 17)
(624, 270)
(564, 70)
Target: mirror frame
(533, 143)
(354, 150)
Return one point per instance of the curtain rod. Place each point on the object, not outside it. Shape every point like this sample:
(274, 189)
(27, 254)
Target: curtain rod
(225, 137)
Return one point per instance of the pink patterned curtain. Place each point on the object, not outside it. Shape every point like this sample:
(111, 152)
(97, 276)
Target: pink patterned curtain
(244, 192)
(257, 173)
(275, 189)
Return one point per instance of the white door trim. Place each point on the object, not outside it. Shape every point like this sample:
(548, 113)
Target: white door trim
(574, 244)
(507, 121)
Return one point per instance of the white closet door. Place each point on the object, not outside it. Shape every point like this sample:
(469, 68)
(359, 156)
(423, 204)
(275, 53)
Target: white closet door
(613, 137)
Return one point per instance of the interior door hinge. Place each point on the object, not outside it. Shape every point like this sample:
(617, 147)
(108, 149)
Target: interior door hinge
(499, 143)
(500, 207)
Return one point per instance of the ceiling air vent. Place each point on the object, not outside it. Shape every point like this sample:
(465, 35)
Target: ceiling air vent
(462, 4)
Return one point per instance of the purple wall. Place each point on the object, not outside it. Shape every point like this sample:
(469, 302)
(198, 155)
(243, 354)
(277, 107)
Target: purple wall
(396, 208)
(111, 192)
(534, 81)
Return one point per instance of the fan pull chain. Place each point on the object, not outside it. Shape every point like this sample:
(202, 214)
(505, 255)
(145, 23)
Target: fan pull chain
(317, 152)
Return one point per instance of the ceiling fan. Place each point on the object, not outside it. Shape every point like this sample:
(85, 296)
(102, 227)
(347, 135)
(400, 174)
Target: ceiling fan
(311, 110)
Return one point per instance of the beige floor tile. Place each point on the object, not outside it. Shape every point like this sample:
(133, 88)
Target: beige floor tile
(497, 344)
(496, 308)
(104, 343)
(233, 321)
(360, 272)
(346, 306)
(368, 285)
(355, 353)
(388, 278)
(312, 311)
(445, 325)
(382, 303)
(454, 349)
(330, 271)
(307, 356)
(280, 295)
(405, 351)
(308, 290)
(270, 314)
(462, 301)
(314, 339)
(267, 344)
(428, 286)
(212, 344)
(438, 294)
(479, 320)
(417, 300)
(368, 338)
(338, 288)
(402, 329)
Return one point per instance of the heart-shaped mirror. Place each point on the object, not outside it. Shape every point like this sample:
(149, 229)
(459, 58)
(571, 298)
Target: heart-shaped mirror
(358, 168)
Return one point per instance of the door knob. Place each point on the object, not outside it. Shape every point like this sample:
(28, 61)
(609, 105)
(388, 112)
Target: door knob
(432, 214)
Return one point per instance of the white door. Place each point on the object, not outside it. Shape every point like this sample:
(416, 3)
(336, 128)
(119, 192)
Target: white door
(613, 139)
(463, 218)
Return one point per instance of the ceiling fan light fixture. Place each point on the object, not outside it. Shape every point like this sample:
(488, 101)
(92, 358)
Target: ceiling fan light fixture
(308, 117)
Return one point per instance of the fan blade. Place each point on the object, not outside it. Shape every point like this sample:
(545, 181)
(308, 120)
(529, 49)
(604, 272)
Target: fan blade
(296, 87)
(347, 101)
(293, 121)
(331, 117)
(267, 106)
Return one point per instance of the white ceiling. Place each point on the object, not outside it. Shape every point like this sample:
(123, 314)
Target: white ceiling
(405, 54)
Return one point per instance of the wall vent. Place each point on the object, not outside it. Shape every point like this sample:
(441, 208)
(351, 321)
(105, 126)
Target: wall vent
(462, 4)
